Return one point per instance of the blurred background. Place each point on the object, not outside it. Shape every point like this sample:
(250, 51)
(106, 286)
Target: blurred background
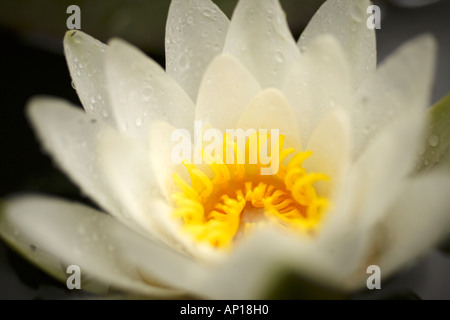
(32, 63)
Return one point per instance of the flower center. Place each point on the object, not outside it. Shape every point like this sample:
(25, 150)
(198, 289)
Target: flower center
(221, 209)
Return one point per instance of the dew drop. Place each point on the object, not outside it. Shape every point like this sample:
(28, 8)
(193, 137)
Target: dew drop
(206, 12)
(76, 39)
(433, 141)
(105, 114)
(73, 85)
(190, 20)
(147, 92)
(279, 56)
(92, 99)
(139, 122)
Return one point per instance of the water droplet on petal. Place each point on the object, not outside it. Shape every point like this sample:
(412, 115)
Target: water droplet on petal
(279, 56)
(190, 20)
(147, 93)
(206, 12)
(433, 141)
(76, 39)
(139, 122)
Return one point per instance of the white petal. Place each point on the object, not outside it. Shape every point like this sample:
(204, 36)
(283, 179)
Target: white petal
(346, 20)
(377, 176)
(55, 234)
(163, 142)
(255, 266)
(401, 83)
(318, 82)
(182, 242)
(226, 89)
(270, 110)
(195, 33)
(85, 57)
(260, 38)
(126, 166)
(142, 182)
(70, 137)
(331, 147)
(142, 92)
(418, 220)
(370, 188)
(165, 164)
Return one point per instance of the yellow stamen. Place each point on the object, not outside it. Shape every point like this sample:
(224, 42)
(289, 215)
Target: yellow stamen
(219, 210)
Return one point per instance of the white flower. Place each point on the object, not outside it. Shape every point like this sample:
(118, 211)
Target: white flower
(364, 126)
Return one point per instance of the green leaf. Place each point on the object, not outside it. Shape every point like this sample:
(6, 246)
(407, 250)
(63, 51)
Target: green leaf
(436, 151)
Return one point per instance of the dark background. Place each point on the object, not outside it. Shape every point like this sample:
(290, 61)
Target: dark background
(32, 63)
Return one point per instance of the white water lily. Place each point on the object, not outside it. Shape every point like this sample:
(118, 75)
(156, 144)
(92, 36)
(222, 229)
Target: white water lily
(363, 124)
